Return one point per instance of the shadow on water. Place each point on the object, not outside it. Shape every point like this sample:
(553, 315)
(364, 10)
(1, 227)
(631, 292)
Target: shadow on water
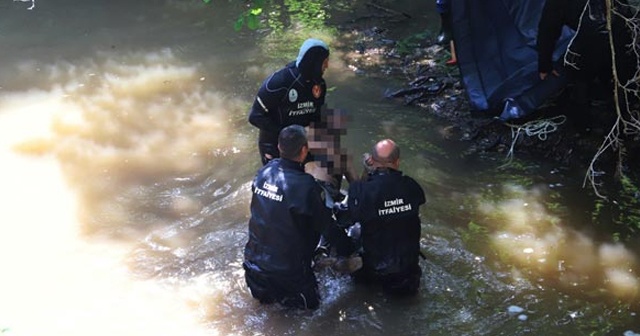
(143, 159)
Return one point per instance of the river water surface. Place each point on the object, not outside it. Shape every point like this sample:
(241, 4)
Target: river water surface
(126, 163)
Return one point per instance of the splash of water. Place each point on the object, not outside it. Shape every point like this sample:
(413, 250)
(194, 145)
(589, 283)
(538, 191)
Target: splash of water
(68, 155)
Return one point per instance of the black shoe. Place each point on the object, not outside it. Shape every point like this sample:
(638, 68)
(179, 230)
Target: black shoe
(443, 38)
(445, 34)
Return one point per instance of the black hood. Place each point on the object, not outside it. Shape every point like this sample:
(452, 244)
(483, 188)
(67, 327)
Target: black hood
(311, 57)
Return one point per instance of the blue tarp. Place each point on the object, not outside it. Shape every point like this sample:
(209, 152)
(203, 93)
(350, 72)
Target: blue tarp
(495, 44)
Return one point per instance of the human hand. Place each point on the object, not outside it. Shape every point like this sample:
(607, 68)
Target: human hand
(544, 75)
(367, 162)
(367, 159)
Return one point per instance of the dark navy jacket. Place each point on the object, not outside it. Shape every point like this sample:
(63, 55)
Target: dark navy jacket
(288, 214)
(555, 14)
(590, 23)
(287, 97)
(443, 6)
(387, 206)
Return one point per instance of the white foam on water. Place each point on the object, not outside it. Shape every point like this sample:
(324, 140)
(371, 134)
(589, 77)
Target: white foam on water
(55, 279)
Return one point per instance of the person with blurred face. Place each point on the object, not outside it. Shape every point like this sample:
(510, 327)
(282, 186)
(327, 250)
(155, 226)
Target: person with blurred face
(292, 95)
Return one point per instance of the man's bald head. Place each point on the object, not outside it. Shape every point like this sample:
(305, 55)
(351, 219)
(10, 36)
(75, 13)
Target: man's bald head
(386, 154)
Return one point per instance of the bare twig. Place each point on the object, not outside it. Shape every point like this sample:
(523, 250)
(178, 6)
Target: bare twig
(627, 119)
(391, 11)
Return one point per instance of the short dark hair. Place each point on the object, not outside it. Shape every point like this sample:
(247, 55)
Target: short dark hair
(291, 140)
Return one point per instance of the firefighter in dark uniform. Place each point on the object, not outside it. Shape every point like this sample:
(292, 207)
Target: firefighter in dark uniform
(589, 55)
(386, 204)
(593, 34)
(292, 95)
(288, 214)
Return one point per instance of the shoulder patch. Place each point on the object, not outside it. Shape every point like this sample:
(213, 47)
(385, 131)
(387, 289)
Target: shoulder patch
(316, 90)
(293, 95)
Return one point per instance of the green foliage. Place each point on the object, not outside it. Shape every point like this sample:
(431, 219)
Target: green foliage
(408, 44)
(274, 18)
(629, 206)
(310, 14)
(475, 235)
(556, 206)
(285, 24)
(477, 229)
(250, 17)
(294, 14)
(623, 214)
(599, 207)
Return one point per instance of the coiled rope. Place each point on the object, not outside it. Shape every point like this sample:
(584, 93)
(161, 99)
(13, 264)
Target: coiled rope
(540, 128)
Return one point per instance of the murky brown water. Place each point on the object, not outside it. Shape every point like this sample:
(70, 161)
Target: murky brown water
(126, 159)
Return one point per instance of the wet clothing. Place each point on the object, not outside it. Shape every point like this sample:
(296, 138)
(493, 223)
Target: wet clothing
(288, 214)
(588, 61)
(443, 6)
(404, 283)
(386, 205)
(292, 95)
(588, 19)
(298, 292)
(592, 34)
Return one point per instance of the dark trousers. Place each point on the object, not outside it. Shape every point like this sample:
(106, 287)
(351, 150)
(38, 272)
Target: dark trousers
(335, 235)
(267, 148)
(405, 283)
(286, 291)
(335, 238)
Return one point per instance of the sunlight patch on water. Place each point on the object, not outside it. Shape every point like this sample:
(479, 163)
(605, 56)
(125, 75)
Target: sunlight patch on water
(619, 264)
(530, 236)
(67, 154)
(122, 123)
(54, 282)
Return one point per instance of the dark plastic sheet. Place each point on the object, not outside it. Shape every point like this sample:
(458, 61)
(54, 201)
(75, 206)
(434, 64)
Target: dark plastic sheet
(496, 49)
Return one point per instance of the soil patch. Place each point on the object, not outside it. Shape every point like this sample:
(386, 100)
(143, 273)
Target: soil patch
(436, 88)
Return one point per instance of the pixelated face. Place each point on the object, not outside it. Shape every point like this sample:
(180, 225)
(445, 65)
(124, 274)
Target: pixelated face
(324, 140)
(332, 125)
(337, 120)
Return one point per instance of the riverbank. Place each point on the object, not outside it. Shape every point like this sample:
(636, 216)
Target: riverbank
(434, 87)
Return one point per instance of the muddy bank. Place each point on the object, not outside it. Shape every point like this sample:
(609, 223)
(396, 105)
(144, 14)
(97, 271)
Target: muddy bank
(375, 49)
(418, 62)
